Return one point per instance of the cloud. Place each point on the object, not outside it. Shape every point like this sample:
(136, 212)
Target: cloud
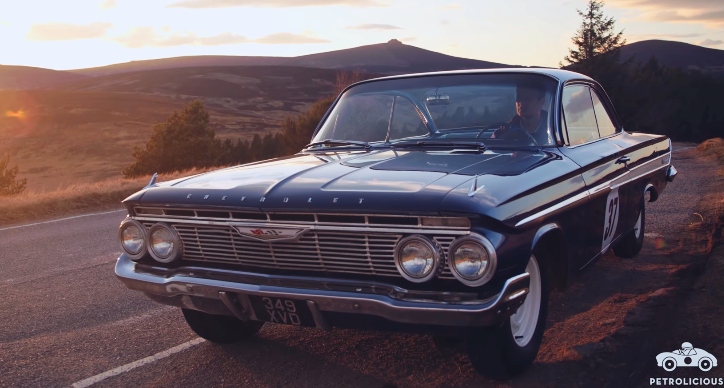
(108, 4)
(408, 39)
(221, 39)
(374, 27)
(271, 3)
(707, 12)
(451, 6)
(289, 38)
(147, 37)
(65, 31)
(710, 42)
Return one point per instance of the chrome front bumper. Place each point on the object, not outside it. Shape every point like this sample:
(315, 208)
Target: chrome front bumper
(206, 289)
(671, 173)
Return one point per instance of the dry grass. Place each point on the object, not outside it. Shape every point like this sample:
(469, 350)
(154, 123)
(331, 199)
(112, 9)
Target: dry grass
(75, 199)
(713, 148)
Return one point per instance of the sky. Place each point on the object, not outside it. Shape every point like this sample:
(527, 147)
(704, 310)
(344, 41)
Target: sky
(73, 34)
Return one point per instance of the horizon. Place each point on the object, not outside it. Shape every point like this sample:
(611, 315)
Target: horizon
(114, 31)
(313, 53)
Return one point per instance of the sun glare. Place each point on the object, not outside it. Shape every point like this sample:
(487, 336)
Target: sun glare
(20, 114)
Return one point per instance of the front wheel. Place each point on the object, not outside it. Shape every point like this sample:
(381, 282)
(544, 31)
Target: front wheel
(631, 243)
(220, 328)
(705, 364)
(669, 364)
(512, 347)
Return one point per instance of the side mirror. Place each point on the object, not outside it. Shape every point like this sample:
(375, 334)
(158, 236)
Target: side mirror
(438, 99)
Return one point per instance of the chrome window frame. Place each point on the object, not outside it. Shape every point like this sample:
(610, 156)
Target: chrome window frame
(606, 104)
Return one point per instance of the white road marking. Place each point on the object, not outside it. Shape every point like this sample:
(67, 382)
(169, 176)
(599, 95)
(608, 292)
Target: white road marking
(62, 219)
(682, 149)
(133, 365)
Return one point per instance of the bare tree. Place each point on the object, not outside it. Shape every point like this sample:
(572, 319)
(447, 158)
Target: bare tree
(348, 77)
(9, 184)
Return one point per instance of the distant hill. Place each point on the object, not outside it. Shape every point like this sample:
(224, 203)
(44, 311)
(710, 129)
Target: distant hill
(251, 88)
(676, 54)
(26, 77)
(176, 62)
(392, 57)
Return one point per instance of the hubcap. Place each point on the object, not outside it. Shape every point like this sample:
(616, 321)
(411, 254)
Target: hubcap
(637, 228)
(524, 321)
(705, 364)
(669, 364)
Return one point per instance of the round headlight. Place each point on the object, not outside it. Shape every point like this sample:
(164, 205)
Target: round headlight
(418, 259)
(164, 244)
(133, 238)
(472, 260)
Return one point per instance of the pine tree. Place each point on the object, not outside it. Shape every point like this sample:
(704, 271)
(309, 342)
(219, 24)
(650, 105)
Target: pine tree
(297, 132)
(184, 141)
(596, 41)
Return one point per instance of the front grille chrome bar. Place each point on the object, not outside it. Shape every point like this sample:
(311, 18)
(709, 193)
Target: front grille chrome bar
(358, 248)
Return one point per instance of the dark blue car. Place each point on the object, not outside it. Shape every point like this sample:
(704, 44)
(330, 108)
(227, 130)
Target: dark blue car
(444, 203)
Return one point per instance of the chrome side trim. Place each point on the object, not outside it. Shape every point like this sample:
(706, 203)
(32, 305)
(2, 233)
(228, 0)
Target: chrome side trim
(570, 201)
(597, 189)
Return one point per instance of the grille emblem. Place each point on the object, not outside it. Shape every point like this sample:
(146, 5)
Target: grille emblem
(270, 234)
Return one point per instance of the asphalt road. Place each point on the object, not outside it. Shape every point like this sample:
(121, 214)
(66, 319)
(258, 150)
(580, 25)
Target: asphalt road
(65, 319)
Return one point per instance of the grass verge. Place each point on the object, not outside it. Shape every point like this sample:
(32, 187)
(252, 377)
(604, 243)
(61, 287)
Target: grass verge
(713, 148)
(76, 199)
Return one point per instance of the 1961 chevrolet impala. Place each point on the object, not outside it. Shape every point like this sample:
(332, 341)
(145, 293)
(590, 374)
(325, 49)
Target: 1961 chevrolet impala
(444, 203)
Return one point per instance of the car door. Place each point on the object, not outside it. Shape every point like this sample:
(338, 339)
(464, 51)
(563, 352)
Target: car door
(601, 167)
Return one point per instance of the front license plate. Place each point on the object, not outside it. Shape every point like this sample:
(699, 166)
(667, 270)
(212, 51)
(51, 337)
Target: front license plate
(282, 310)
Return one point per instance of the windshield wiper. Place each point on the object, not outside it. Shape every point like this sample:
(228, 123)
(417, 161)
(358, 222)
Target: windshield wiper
(331, 142)
(476, 145)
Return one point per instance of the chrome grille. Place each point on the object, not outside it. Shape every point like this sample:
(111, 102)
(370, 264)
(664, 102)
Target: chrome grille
(350, 243)
(323, 251)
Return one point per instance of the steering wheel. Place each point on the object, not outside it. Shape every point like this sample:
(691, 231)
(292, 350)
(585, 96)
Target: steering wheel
(511, 133)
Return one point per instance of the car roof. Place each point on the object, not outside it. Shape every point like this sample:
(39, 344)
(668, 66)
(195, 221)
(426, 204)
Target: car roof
(557, 74)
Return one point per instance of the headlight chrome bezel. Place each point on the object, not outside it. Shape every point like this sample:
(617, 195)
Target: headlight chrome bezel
(144, 249)
(485, 245)
(438, 257)
(176, 251)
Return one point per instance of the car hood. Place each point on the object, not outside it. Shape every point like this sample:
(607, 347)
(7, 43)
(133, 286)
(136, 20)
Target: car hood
(386, 181)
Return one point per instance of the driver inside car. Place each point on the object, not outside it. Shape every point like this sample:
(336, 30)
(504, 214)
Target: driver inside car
(530, 118)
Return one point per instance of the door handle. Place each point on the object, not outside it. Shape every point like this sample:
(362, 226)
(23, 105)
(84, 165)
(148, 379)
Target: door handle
(623, 159)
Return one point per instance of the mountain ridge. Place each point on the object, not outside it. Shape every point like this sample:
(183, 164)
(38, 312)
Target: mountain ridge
(676, 54)
(29, 77)
(393, 57)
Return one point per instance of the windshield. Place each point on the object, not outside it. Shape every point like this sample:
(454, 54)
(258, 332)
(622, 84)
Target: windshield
(497, 109)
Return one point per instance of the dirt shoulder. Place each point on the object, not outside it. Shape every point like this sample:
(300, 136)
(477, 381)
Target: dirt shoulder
(608, 327)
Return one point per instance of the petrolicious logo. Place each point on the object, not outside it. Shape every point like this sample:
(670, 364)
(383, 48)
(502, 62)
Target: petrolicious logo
(687, 356)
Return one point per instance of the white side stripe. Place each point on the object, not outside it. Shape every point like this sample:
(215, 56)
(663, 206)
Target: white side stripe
(125, 368)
